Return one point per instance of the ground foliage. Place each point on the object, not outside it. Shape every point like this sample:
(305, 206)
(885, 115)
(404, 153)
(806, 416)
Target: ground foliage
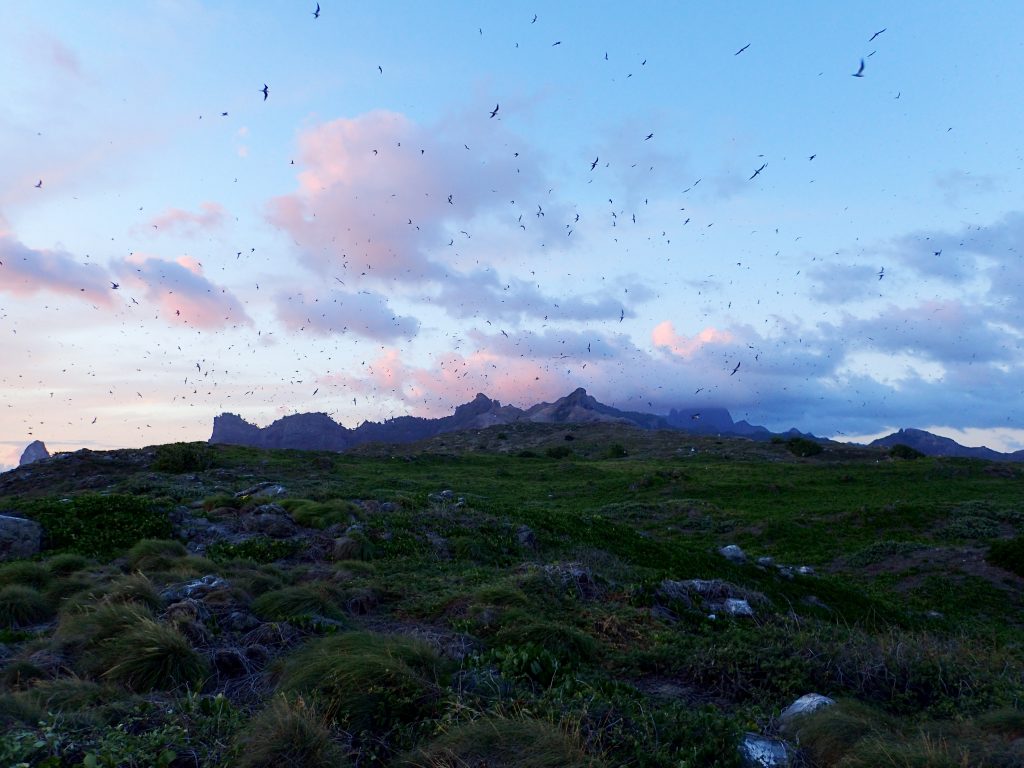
(497, 597)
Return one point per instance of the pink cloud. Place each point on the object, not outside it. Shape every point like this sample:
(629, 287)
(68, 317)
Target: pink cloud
(664, 335)
(182, 293)
(375, 189)
(188, 223)
(27, 271)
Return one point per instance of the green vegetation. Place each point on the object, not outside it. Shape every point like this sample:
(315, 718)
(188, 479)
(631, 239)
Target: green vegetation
(513, 598)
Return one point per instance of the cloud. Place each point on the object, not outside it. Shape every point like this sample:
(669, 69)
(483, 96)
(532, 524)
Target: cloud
(842, 283)
(375, 189)
(338, 312)
(27, 271)
(954, 184)
(187, 223)
(181, 292)
(664, 335)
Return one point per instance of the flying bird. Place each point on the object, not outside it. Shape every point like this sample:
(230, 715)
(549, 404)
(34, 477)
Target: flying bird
(877, 34)
(534, 19)
(495, 110)
(39, 184)
(649, 136)
(266, 91)
(316, 15)
(622, 314)
(559, 42)
(758, 171)
(114, 286)
(741, 50)
(593, 165)
(860, 70)
(881, 273)
(735, 369)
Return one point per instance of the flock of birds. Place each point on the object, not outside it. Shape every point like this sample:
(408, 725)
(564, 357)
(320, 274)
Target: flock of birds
(458, 360)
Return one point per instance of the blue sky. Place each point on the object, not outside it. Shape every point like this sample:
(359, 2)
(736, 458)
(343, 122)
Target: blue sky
(269, 254)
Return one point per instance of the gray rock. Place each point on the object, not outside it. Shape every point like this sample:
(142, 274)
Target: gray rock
(809, 702)
(262, 489)
(198, 588)
(270, 520)
(766, 561)
(805, 570)
(526, 537)
(758, 751)
(737, 607)
(35, 451)
(19, 537)
(733, 553)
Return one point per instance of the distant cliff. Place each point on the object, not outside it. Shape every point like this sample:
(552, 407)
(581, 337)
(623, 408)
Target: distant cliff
(936, 445)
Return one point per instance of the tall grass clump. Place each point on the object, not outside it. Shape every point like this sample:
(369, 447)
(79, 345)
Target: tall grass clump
(500, 742)
(289, 732)
(301, 600)
(151, 656)
(366, 681)
(22, 606)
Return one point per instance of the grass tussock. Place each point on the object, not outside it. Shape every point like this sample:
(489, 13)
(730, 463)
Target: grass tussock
(366, 681)
(22, 606)
(298, 601)
(150, 555)
(289, 732)
(501, 742)
(151, 656)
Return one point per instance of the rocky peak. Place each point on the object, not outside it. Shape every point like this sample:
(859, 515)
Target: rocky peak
(35, 451)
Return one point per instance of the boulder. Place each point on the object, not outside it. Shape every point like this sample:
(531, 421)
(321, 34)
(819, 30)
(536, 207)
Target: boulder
(809, 702)
(758, 751)
(270, 520)
(35, 451)
(733, 554)
(710, 596)
(19, 537)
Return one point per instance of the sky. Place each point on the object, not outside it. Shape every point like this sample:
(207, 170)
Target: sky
(670, 204)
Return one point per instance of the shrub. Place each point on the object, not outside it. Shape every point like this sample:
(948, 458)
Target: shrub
(320, 514)
(288, 732)
(499, 742)
(616, 451)
(67, 563)
(259, 549)
(98, 526)
(176, 458)
(293, 602)
(155, 554)
(1008, 554)
(366, 681)
(151, 656)
(22, 606)
(900, 451)
(558, 452)
(801, 446)
(25, 573)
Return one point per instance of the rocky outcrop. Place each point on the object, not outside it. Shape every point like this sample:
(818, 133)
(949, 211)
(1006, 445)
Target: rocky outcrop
(19, 537)
(317, 431)
(35, 451)
(936, 445)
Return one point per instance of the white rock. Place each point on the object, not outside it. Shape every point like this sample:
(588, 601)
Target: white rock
(736, 607)
(806, 704)
(762, 752)
(733, 553)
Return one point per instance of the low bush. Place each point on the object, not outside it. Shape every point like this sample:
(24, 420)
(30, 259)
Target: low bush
(151, 656)
(155, 554)
(321, 514)
(298, 601)
(96, 525)
(67, 563)
(259, 549)
(1008, 554)
(558, 452)
(801, 446)
(500, 742)
(288, 732)
(366, 681)
(900, 451)
(177, 458)
(22, 606)
(26, 573)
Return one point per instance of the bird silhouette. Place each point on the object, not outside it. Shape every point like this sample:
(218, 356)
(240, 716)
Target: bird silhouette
(114, 286)
(316, 13)
(860, 70)
(755, 173)
(39, 184)
(593, 165)
(741, 50)
(735, 369)
(495, 110)
(877, 34)
(649, 136)
(266, 91)
(881, 273)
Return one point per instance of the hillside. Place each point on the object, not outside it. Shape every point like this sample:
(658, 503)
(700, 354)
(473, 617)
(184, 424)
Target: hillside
(522, 594)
